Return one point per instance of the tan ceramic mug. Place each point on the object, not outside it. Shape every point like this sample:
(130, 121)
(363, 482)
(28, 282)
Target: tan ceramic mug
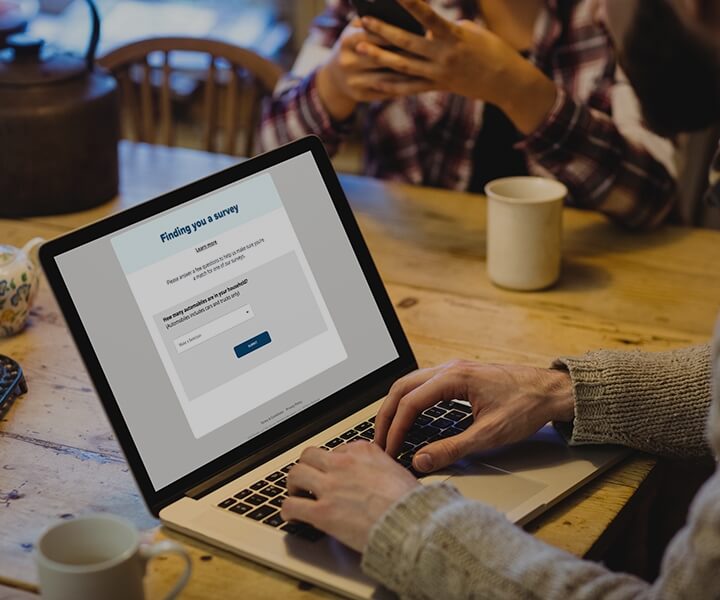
(524, 232)
(99, 556)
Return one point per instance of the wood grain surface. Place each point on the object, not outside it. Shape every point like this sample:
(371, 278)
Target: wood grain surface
(59, 458)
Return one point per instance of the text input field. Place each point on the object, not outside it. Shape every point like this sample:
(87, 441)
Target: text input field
(210, 330)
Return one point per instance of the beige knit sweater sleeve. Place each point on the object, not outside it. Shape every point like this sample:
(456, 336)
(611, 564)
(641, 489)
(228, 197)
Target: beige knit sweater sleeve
(435, 544)
(656, 402)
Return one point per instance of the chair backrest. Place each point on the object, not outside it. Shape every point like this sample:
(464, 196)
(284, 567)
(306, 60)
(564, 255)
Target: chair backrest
(240, 75)
(695, 154)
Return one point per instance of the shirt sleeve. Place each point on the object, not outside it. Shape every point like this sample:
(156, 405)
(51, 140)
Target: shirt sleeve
(295, 109)
(436, 544)
(657, 402)
(606, 161)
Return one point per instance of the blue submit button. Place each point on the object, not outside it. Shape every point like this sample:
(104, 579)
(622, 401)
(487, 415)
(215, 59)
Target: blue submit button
(252, 344)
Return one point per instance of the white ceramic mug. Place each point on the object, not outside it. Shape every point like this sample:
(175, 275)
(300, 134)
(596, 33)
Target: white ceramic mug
(99, 556)
(524, 232)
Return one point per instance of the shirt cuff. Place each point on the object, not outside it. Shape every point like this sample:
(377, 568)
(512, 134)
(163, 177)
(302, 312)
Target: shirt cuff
(557, 127)
(317, 111)
(394, 541)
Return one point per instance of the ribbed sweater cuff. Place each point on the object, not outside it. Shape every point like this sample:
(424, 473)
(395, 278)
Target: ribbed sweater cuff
(391, 552)
(590, 424)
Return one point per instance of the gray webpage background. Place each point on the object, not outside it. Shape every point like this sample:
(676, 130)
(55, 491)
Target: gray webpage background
(289, 319)
(138, 378)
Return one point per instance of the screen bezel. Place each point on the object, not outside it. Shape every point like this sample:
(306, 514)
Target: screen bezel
(292, 431)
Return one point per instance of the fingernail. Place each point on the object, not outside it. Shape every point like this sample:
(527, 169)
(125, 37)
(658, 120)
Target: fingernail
(424, 462)
(367, 21)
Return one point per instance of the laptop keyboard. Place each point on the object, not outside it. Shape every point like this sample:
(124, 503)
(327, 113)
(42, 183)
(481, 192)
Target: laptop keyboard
(263, 500)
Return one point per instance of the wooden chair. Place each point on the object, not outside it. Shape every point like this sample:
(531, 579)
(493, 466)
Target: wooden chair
(236, 75)
(695, 155)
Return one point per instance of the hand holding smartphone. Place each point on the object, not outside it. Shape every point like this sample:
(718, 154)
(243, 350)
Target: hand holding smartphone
(390, 12)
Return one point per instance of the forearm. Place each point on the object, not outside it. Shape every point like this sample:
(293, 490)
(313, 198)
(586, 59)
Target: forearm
(603, 169)
(527, 95)
(436, 544)
(298, 111)
(655, 402)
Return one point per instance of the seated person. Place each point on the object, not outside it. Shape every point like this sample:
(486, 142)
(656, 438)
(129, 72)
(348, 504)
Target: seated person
(428, 541)
(478, 110)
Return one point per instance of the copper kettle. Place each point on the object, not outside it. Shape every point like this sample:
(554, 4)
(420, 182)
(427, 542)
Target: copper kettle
(59, 128)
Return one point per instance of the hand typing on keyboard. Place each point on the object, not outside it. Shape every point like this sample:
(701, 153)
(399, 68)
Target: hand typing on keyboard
(509, 403)
(353, 486)
(420, 424)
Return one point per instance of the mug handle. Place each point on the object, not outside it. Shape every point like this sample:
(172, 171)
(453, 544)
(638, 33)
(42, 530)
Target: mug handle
(148, 552)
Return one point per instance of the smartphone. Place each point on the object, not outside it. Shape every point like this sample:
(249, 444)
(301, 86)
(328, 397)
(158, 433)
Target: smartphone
(390, 12)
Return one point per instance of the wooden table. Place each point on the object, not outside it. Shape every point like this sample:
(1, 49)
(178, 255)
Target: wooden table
(58, 457)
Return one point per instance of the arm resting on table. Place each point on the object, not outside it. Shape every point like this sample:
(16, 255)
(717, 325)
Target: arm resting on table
(436, 544)
(654, 402)
(606, 162)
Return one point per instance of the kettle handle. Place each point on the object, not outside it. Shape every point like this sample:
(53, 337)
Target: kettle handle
(94, 36)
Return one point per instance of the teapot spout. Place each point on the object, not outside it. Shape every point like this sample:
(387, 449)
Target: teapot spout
(32, 248)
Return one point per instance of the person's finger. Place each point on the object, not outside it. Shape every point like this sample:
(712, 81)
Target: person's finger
(399, 389)
(443, 386)
(352, 40)
(304, 478)
(315, 457)
(401, 64)
(427, 17)
(353, 446)
(443, 453)
(400, 86)
(295, 508)
(376, 39)
(357, 64)
(398, 37)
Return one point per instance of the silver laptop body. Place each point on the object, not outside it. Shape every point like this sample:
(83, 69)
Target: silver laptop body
(230, 324)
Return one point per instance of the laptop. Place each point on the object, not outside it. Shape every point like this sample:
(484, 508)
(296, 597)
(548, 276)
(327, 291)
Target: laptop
(231, 323)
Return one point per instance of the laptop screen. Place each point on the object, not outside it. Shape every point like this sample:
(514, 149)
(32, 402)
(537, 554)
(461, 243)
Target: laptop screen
(221, 318)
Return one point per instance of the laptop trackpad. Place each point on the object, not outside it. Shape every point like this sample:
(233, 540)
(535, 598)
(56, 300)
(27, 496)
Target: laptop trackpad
(502, 490)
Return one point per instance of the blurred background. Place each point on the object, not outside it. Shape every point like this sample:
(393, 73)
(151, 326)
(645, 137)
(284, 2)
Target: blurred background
(272, 29)
(267, 25)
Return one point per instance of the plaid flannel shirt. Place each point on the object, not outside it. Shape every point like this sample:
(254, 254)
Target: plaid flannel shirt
(593, 139)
